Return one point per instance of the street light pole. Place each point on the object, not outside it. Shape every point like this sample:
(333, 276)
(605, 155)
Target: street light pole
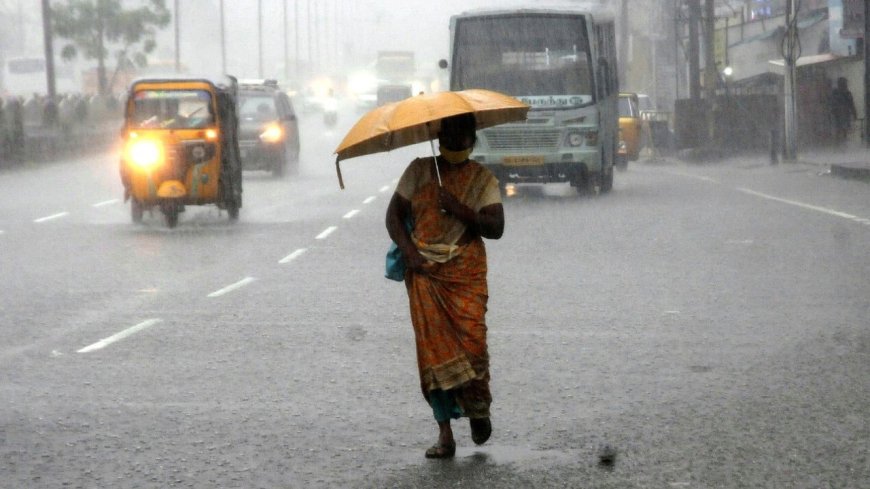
(260, 38)
(177, 40)
(223, 41)
(49, 50)
(790, 150)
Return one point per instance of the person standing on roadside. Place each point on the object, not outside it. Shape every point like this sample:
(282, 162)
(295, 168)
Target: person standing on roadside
(842, 111)
(446, 276)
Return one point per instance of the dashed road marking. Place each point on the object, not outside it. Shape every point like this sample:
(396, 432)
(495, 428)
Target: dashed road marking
(369, 200)
(326, 232)
(351, 214)
(802, 205)
(53, 216)
(292, 256)
(105, 202)
(229, 288)
(384, 188)
(119, 336)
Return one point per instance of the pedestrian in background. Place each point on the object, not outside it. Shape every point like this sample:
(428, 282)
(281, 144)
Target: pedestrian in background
(446, 276)
(842, 111)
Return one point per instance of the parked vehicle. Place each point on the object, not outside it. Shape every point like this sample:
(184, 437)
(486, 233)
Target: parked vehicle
(268, 128)
(630, 129)
(180, 139)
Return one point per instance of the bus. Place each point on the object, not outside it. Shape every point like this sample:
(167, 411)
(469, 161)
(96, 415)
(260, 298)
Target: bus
(26, 75)
(562, 62)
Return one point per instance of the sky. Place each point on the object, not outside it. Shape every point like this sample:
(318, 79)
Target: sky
(330, 36)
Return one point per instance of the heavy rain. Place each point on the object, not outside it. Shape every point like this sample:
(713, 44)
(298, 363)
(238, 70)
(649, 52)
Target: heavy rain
(192, 265)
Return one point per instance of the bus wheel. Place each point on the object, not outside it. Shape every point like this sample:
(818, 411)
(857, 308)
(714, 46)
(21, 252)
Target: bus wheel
(606, 180)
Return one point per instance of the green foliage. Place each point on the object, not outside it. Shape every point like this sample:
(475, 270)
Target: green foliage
(94, 27)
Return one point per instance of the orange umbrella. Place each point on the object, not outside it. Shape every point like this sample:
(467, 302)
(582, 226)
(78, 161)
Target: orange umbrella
(417, 119)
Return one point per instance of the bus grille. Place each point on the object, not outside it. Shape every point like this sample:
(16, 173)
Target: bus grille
(523, 139)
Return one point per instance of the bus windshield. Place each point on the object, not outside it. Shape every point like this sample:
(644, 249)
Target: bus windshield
(542, 59)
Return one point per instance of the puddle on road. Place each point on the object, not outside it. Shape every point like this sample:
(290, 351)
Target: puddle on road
(502, 455)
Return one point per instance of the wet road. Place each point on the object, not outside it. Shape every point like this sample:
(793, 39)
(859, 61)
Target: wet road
(708, 322)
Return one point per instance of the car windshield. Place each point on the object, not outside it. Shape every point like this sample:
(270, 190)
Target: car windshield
(172, 109)
(257, 107)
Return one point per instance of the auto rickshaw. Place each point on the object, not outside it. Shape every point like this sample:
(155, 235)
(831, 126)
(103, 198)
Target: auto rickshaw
(630, 129)
(180, 146)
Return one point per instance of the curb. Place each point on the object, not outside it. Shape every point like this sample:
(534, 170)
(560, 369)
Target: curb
(850, 171)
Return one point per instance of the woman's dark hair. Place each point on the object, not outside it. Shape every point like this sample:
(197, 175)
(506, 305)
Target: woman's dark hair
(460, 125)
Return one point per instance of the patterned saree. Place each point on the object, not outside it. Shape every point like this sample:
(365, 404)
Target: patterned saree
(448, 303)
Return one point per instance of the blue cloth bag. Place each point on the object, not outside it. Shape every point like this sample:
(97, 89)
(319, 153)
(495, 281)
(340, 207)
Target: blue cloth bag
(395, 262)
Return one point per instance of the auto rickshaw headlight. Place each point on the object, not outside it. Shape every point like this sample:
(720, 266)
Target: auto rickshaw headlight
(272, 134)
(144, 153)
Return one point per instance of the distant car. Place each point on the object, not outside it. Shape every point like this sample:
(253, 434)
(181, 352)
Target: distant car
(268, 128)
(393, 93)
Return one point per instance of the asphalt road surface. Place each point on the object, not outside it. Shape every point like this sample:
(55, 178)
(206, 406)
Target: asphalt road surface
(708, 323)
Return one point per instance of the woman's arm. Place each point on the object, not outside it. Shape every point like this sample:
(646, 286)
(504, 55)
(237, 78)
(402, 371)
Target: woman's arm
(398, 212)
(488, 223)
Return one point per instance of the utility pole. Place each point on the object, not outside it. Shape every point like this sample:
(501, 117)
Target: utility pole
(624, 34)
(790, 150)
(866, 72)
(49, 50)
(694, 51)
(296, 45)
(711, 72)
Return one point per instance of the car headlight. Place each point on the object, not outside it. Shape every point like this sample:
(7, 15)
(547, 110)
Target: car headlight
(272, 134)
(144, 153)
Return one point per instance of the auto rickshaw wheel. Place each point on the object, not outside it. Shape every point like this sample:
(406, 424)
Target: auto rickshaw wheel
(136, 210)
(171, 210)
(233, 209)
(621, 162)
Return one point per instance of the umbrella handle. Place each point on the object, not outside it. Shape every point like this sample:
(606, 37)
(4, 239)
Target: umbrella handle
(434, 156)
(338, 170)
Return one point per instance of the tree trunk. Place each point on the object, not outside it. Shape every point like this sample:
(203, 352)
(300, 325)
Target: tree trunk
(101, 52)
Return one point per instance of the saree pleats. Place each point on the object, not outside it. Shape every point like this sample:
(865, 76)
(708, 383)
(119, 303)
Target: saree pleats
(448, 306)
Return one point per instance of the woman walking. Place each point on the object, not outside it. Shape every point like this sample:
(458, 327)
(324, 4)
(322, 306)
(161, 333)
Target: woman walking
(446, 276)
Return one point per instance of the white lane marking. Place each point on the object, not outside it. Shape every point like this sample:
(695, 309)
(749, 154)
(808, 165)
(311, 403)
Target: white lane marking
(53, 216)
(2, 231)
(105, 202)
(119, 336)
(369, 200)
(326, 232)
(229, 288)
(811, 207)
(384, 188)
(351, 214)
(689, 175)
(292, 256)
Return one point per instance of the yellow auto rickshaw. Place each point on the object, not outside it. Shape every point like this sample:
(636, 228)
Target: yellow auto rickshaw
(630, 129)
(180, 146)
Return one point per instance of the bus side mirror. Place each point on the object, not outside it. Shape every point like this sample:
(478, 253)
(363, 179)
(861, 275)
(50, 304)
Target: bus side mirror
(442, 64)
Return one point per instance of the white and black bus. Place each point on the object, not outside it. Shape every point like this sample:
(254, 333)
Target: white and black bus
(561, 61)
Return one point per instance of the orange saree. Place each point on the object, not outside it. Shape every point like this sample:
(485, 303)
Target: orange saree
(448, 303)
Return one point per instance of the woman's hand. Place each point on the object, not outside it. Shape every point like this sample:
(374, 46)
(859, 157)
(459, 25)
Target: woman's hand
(414, 260)
(453, 207)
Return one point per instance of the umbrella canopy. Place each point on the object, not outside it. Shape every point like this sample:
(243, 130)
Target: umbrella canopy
(418, 119)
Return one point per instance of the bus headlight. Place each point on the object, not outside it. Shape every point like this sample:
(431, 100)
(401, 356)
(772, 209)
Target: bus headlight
(272, 134)
(144, 153)
(575, 139)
